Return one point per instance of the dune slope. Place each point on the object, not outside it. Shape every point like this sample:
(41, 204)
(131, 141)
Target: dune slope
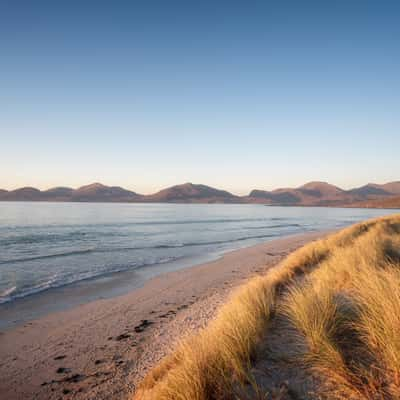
(323, 324)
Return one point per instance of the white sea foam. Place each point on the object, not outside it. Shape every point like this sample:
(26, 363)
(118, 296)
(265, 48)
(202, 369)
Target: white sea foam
(5, 294)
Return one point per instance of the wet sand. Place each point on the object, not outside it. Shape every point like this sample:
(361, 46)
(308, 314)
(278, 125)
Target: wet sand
(102, 349)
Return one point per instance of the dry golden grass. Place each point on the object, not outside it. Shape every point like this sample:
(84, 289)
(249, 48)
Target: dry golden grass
(347, 312)
(202, 367)
(342, 295)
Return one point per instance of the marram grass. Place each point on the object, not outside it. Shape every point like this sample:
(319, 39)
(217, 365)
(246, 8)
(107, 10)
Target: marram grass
(341, 294)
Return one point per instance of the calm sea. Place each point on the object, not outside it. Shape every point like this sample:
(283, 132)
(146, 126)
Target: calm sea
(50, 245)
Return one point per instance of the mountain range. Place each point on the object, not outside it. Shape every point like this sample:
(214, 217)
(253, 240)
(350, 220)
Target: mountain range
(310, 194)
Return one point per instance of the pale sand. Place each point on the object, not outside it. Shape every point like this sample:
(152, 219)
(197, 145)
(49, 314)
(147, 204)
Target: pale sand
(102, 349)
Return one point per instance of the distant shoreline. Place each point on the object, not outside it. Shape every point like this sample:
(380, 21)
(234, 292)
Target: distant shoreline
(355, 206)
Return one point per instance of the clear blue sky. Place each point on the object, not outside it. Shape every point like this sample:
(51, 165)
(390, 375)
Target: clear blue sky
(234, 94)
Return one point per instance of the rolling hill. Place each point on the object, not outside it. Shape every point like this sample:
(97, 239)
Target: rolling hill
(324, 194)
(312, 193)
(103, 193)
(95, 192)
(192, 193)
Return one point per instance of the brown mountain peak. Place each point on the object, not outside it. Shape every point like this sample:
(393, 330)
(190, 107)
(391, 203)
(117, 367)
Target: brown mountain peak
(92, 186)
(320, 185)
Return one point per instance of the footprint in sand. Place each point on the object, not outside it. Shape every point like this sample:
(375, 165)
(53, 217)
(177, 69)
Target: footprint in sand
(166, 315)
(75, 378)
(123, 336)
(63, 370)
(143, 325)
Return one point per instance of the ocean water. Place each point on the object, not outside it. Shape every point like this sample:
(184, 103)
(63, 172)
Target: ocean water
(50, 245)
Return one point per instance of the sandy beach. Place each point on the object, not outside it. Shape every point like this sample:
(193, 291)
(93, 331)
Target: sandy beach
(102, 349)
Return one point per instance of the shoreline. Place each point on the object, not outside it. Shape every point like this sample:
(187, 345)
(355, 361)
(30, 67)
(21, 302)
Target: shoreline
(106, 286)
(342, 206)
(356, 205)
(103, 348)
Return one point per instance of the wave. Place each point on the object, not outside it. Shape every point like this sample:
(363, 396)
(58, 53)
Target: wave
(42, 257)
(7, 292)
(125, 249)
(150, 223)
(41, 238)
(230, 241)
(273, 226)
(53, 283)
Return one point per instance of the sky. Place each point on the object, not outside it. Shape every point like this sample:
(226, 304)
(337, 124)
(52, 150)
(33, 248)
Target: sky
(234, 94)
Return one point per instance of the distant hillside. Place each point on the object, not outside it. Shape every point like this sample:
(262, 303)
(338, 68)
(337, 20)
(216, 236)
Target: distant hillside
(390, 202)
(22, 194)
(278, 197)
(59, 192)
(310, 194)
(95, 192)
(324, 194)
(391, 187)
(192, 193)
(99, 192)
(369, 190)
